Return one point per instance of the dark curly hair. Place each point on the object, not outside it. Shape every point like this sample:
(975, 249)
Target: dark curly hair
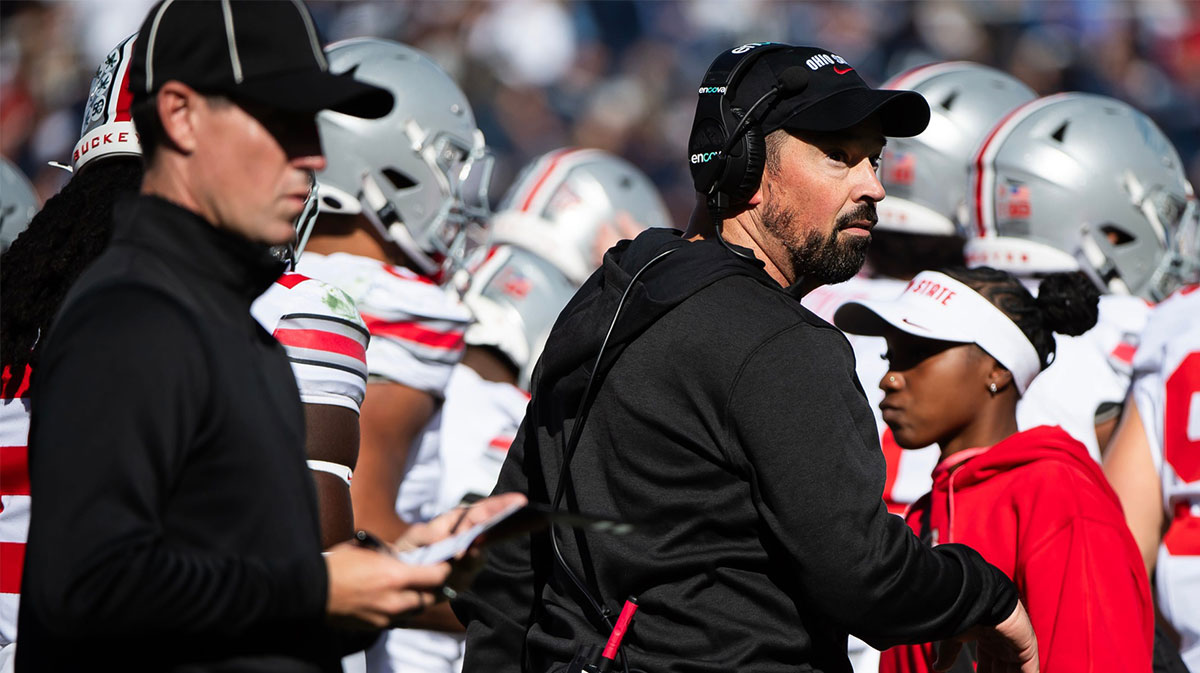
(62, 239)
(1067, 303)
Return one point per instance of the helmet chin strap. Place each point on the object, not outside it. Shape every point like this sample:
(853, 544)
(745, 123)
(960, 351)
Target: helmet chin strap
(386, 220)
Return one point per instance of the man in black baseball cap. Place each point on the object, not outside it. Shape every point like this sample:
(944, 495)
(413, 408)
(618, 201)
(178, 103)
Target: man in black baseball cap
(267, 52)
(177, 525)
(709, 405)
(772, 123)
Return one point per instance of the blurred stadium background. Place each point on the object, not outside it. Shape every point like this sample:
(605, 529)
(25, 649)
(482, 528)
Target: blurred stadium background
(622, 74)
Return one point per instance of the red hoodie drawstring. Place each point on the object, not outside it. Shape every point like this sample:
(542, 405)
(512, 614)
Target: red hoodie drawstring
(949, 467)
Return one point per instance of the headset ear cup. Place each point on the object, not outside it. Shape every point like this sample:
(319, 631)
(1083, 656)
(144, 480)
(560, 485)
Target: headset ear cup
(755, 159)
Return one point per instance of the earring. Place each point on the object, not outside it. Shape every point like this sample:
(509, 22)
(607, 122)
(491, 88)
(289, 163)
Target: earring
(891, 378)
(992, 387)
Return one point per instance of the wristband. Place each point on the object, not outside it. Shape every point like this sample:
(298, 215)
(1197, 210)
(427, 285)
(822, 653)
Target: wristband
(336, 469)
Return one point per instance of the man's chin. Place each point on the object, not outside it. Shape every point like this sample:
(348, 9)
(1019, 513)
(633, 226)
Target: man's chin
(850, 257)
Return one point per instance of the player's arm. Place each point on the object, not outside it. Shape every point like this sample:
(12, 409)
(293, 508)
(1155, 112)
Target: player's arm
(393, 415)
(1108, 415)
(1129, 467)
(326, 343)
(331, 444)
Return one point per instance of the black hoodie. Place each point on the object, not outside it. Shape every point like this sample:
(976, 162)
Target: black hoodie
(728, 421)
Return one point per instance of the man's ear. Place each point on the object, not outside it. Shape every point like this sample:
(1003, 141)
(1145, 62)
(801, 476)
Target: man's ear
(178, 106)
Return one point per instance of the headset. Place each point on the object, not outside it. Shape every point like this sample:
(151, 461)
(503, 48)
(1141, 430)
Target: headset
(727, 150)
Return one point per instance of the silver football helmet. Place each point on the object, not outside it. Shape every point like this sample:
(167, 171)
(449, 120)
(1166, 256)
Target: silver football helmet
(570, 205)
(18, 203)
(1080, 181)
(420, 173)
(925, 176)
(515, 297)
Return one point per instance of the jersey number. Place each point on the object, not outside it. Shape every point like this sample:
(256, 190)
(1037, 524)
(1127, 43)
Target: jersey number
(1181, 422)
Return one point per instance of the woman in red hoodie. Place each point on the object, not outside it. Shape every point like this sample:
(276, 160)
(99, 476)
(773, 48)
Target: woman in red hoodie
(963, 346)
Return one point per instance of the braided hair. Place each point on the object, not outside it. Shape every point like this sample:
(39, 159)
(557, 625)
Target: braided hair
(1067, 303)
(68, 233)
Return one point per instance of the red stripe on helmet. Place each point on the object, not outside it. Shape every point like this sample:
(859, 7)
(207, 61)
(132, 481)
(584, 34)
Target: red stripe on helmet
(546, 172)
(979, 167)
(124, 96)
(909, 77)
(1006, 123)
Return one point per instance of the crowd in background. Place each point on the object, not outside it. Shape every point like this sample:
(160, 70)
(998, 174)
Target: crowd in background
(619, 74)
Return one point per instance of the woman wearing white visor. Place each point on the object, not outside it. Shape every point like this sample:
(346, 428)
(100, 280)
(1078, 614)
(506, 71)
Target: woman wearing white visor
(963, 346)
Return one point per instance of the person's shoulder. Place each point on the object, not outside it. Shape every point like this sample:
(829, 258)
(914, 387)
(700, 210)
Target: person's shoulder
(386, 293)
(1175, 318)
(769, 306)
(128, 320)
(759, 318)
(296, 294)
(1053, 472)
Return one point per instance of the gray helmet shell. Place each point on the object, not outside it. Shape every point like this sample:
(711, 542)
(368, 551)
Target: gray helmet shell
(570, 204)
(419, 173)
(18, 203)
(925, 176)
(1081, 181)
(515, 296)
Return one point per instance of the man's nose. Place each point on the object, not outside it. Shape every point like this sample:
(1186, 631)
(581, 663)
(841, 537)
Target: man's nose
(869, 186)
(314, 163)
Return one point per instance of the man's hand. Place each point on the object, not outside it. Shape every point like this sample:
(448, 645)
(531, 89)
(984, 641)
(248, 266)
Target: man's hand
(369, 589)
(1008, 647)
(456, 520)
(468, 564)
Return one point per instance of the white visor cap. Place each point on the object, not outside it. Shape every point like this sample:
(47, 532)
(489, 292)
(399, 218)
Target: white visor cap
(936, 306)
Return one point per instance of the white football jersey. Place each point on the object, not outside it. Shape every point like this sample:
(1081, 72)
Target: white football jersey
(416, 340)
(416, 327)
(1088, 370)
(478, 422)
(323, 335)
(908, 471)
(1166, 389)
(14, 503)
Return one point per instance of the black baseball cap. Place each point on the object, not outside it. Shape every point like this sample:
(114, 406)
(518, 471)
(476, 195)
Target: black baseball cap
(831, 96)
(263, 51)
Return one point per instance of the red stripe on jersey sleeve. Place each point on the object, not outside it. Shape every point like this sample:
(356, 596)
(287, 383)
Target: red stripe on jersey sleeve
(14, 470)
(502, 443)
(1124, 352)
(408, 275)
(322, 341)
(414, 332)
(291, 280)
(12, 562)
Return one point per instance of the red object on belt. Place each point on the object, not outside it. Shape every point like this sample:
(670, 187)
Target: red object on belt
(618, 632)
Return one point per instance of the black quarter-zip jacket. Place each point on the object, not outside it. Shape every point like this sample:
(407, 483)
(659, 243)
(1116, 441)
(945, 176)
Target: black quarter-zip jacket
(174, 522)
(729, 422)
